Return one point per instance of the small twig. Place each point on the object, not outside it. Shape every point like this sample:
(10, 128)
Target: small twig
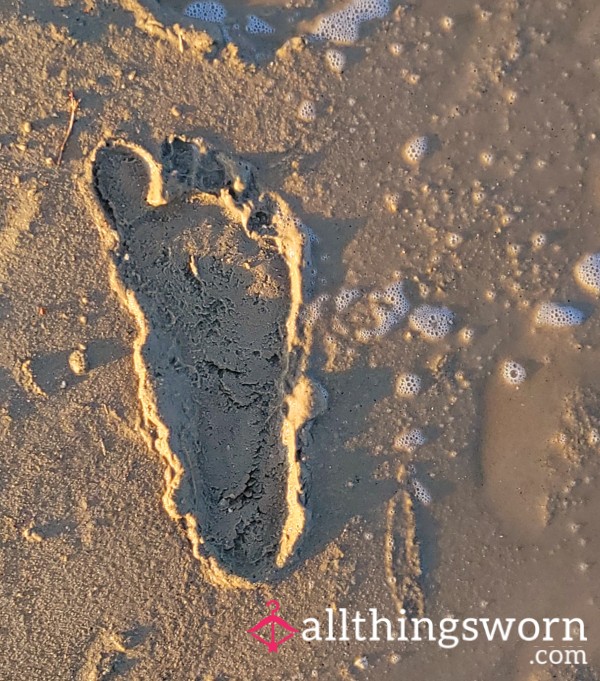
(73, 106)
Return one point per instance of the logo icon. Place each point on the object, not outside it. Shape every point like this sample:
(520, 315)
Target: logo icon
(272, 621)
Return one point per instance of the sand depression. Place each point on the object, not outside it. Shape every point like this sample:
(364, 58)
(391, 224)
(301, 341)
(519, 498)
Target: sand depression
(212, 270)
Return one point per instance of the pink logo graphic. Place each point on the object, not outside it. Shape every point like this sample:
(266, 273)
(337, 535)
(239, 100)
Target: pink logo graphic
(272, 620)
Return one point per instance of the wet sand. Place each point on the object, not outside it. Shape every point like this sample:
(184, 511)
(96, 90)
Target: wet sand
(200, 397)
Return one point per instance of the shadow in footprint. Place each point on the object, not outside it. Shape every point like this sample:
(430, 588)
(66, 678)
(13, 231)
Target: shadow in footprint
(14, 401)
(114, 664)
(52, 371)
(214, 298)
(102, 352)
(136, 636)
(342, 480)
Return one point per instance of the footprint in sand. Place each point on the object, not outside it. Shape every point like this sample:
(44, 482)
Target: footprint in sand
(212, 270)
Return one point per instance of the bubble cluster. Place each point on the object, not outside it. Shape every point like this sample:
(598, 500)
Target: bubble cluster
(558, 315)
(446, 23)
(415, 150)
(587, 272)
(213, 12)
(467, 334)
(343, 26)
(394, 308)
(539, 240)
(561, 439)
(409, 440)
(420, 492)
(320, 399)
(513, 373)
(392, 202)
(387, 319)
(453, 240)
(322, 391)
(432, 322)
(486, 158)
(478, 197)
(255, 24)
(365, 335)
(408, 385)
(346, 297)
(336, 60)
(394, 295)
(307, 111)
(311, 312)
(308, 232)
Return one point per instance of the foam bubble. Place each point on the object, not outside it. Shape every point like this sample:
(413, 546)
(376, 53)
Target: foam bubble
(311, 312)
(420, 492)
(408, 385)
(387, 318)
(307, 111)
(322, 390)
(561, 438)
(453, 239)
(395, 307)
(365, 335)
(392, 202)
(478, 197)
(213, 12)
(513, 250)
(255, 24)
(558, 315)
(309, 233)
(486, 158)
(432, 322)
(394, 295)
(346, 297)
(539, 240)
(467, 334)
(415, 150)
(513, 373)
(343, 26)
(409, 440)
(446, 24)
(320, 399)
(587, 272)
(336, 60)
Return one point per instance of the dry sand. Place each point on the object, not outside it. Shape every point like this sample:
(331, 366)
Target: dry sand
(202, 330)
